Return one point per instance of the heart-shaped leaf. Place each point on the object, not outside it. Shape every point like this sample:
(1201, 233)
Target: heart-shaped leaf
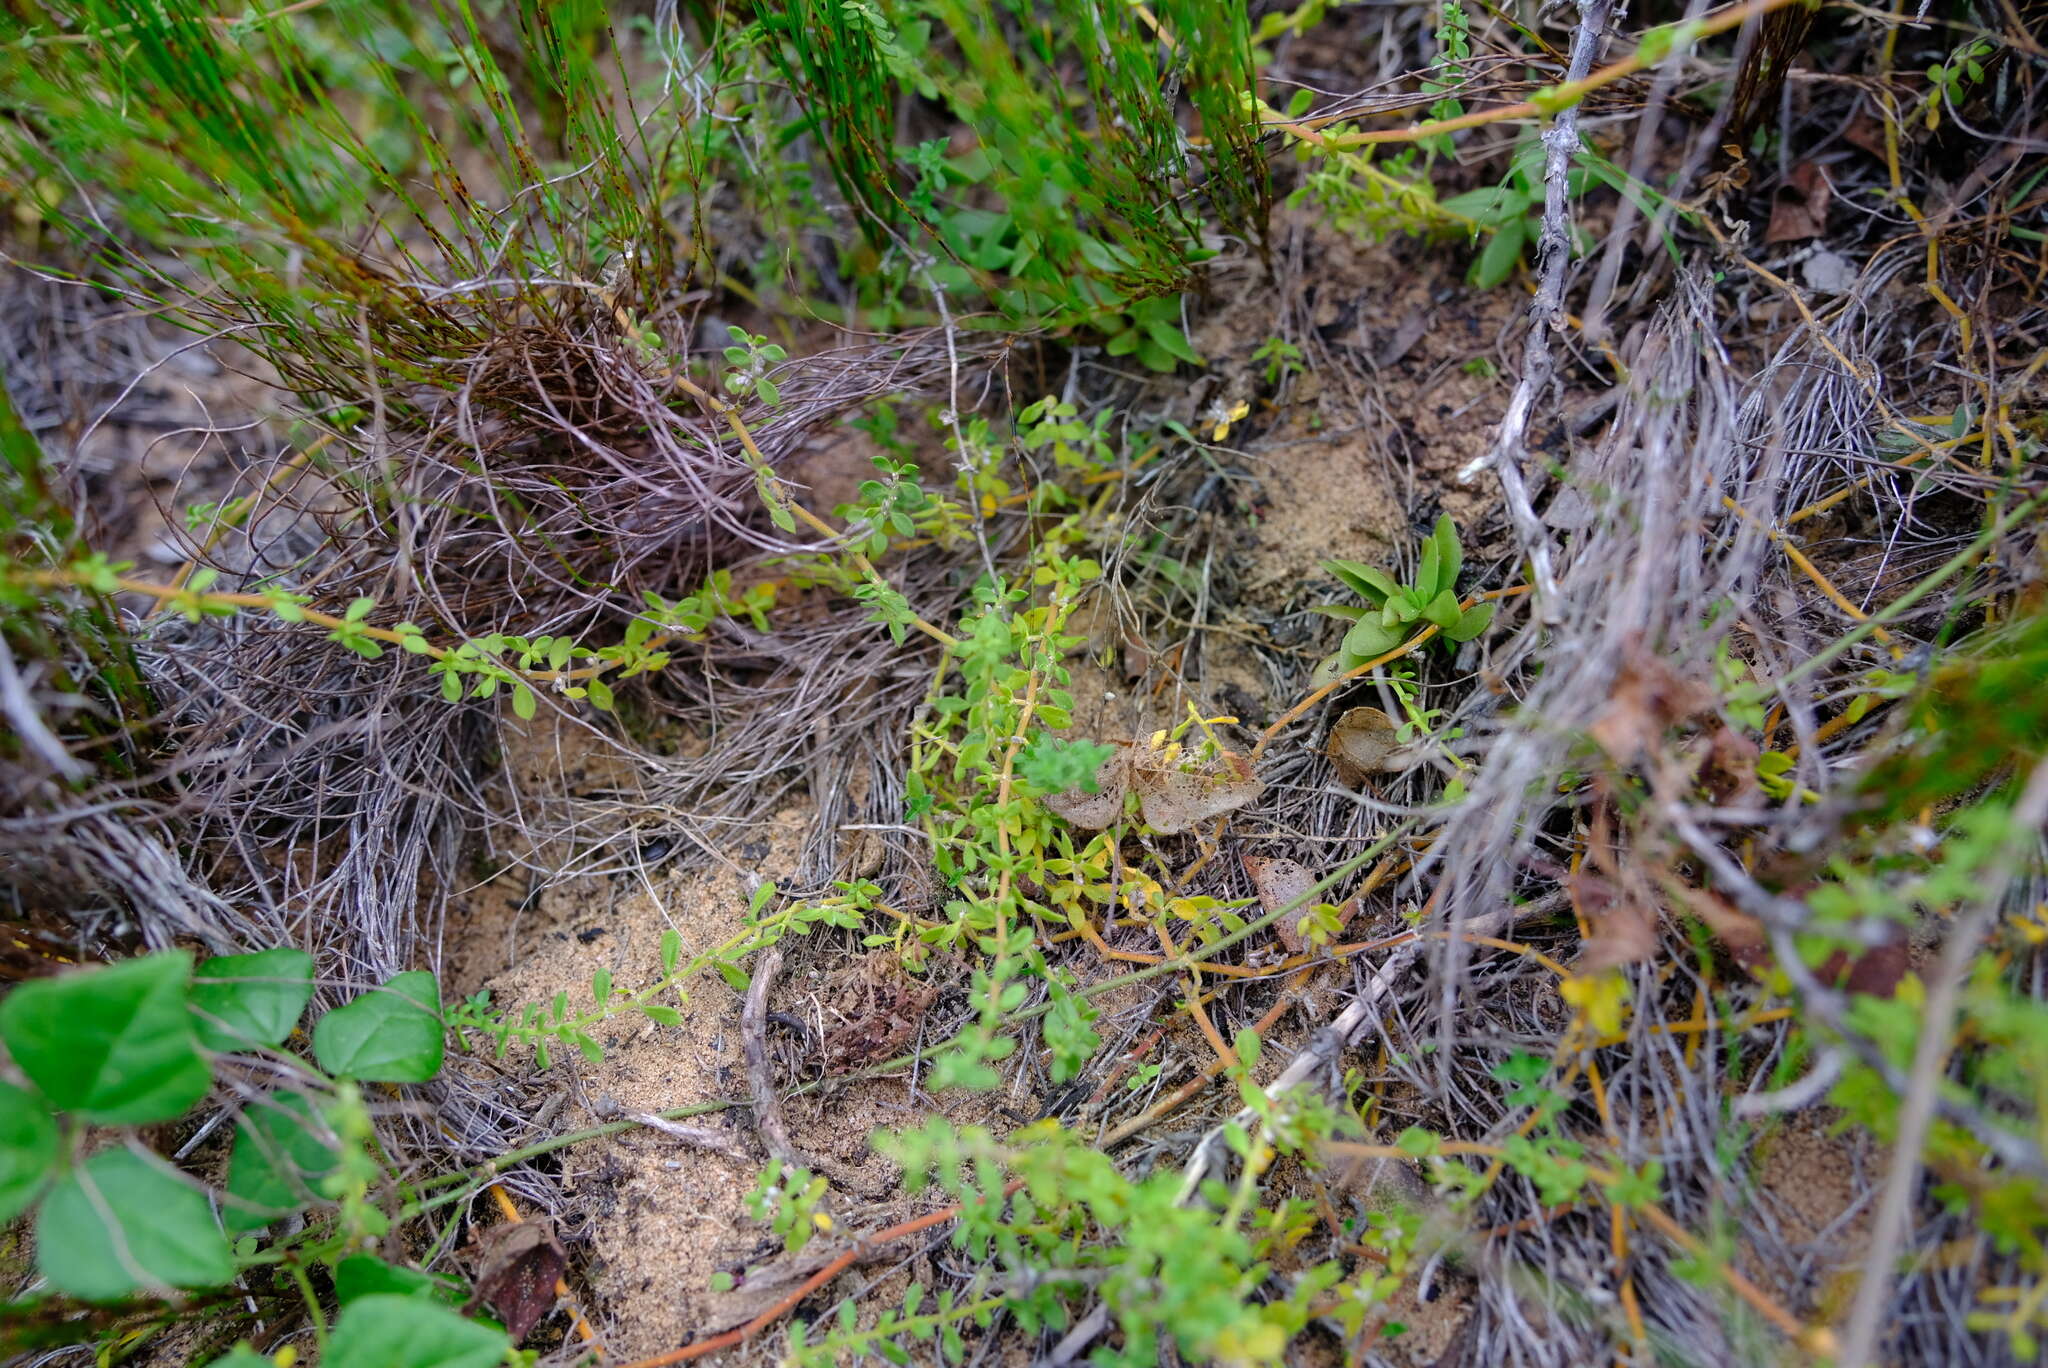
(245, 1002)
(278, 1161)
(114, 1045)
(119, 1223)
(387, 1331)
(28, 1149)
(391, 1034)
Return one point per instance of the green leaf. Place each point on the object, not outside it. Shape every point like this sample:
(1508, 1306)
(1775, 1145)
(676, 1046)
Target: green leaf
(1418, 1142)
(671, 950)
(1498, 259)
(1328, 671)
(366, 1275)
(601, 987)
(28, 1149)
(114, 1045)
(1443, 610)
(277, 1163)
(242, 1356)
(1450, 555)
(1343, 612)
(1170, 339)
(383, 1330)
(389, 1035)
(242, 1002)
(1427, 576)
(523, 703)
(599, 693)
(1373, 585)
(1371, 638)
(1471, 622)
(119, 1223)
(1489, 208)
(661, 1015)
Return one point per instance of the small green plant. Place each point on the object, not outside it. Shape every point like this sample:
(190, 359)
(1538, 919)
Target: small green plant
(1949, 81)
(142, 1042)
(475, 668)
(751, 358)
(1150, 330)
(1510, 215)
(1394, 612)
(1281, 359)
(1454, 48)
(787, 1199)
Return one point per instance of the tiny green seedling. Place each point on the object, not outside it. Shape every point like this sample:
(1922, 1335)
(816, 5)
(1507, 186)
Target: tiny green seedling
(1393, 612)
(751, 358)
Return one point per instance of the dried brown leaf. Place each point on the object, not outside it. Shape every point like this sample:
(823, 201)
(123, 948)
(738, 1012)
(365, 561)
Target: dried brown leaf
(1649, 698)
(1741, 933)
(1362, 743)
(1094, 811)
(1800, 208)
(1876, 971)
(1174, 798)
(1867, 132)
(1280, 882)
(521, 1265)
(1623, 924)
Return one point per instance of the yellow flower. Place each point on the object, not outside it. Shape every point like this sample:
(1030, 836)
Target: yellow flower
(1599, 1000)
(1223, 417)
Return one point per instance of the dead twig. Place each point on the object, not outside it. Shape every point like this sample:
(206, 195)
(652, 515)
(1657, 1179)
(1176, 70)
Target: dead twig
(760, 1069)
(1546, 312)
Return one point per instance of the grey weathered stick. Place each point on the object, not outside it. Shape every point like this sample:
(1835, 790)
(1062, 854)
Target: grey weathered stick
(760, 1071)
(1546, 311)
